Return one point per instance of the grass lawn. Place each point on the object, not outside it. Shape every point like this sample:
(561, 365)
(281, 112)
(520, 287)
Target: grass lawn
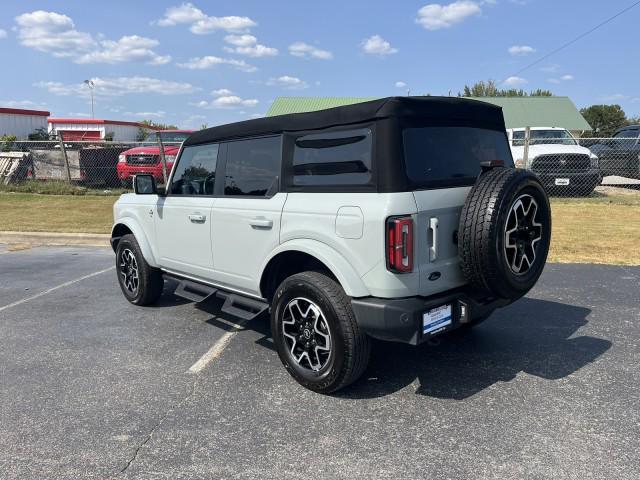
(604, 228)
(27, 212)
(601, 229)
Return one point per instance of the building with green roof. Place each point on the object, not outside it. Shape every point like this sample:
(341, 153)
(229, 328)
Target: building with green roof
(518, 111)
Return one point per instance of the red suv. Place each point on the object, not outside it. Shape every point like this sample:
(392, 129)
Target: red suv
(146, 159)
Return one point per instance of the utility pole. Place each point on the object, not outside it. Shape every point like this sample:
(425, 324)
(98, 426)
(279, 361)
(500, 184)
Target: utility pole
(91, 85)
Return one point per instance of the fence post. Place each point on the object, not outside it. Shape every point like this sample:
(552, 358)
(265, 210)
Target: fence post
(162, 158)
(525, 153)
(65, 159)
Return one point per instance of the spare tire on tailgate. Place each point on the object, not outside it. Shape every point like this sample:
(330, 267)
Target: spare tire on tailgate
(504, 232)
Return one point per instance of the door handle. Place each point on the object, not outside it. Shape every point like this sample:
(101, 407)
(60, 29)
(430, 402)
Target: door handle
(261, 222)
(433, 233)
(197, 218)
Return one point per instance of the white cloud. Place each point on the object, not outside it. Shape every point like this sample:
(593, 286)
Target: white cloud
(301, 49)
(222, 92)
(376, 45)
(158, 114)
(118, 86)
(127, 49)
(436, 16)
(615, 97)
(227, 102)
(56, 34)
(3, 33)
(563, 78)
(288, 82)
(52, 33)
(248, 45)
(28, 104)
(210, 61)
(78, 114)
(554, 67)
(514, 82)
(521, 50)
(245, 40)
(400, 84)
(226, 99)
(202, 24)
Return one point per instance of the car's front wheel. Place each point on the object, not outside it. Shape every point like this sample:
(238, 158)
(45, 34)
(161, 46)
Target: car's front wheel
(140, 283)
(316, 333)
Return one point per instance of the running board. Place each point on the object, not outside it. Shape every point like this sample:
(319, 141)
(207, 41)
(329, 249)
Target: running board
(241, 307)
(195, 292)
(234, 304)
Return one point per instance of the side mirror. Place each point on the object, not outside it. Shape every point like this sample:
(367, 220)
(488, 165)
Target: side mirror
(144, 184)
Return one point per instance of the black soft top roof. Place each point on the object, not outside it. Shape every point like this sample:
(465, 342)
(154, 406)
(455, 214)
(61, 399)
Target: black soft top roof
(434, 109)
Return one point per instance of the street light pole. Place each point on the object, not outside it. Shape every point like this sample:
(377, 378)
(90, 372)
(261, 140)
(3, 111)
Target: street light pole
(91, 85)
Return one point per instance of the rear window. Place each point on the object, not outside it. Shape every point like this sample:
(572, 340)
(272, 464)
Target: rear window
(445, 156)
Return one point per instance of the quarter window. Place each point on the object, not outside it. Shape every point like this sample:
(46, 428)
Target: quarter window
(335, 158)
(253, 167)
(196, 170)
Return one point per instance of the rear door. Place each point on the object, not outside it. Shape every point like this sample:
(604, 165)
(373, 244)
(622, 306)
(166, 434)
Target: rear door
(246, 218)
(443, 163)
(183, 217)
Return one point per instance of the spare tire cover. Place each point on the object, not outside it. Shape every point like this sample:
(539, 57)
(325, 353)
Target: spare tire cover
(504, 232)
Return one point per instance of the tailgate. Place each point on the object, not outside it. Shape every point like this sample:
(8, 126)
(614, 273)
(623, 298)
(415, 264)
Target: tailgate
(436, 255)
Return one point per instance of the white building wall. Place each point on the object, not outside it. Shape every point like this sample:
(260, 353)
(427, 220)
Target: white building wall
(21, 125)
(122, 133)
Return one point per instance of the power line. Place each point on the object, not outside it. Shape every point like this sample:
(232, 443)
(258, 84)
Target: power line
(579, 37)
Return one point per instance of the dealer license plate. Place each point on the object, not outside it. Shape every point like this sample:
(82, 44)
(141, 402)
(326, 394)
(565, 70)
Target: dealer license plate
(562, 181)
(436, 319)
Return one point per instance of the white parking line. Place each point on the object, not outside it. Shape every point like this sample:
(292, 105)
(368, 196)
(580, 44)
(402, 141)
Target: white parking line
(57, 287)
(216, 350)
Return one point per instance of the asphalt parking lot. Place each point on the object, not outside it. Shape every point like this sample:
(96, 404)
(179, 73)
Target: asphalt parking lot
(92, 387)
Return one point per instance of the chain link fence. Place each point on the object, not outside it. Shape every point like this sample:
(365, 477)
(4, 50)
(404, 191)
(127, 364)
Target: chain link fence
(568, 166)
(576, 167)
(93, 165)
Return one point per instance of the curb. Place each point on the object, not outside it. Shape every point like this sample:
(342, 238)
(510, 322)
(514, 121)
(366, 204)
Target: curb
(46, 239)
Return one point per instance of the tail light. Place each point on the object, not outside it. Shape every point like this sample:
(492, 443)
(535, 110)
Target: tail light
(399, 235)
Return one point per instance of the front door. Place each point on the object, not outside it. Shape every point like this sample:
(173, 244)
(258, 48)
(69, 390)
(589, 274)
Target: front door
(183, 216)
(246, 219)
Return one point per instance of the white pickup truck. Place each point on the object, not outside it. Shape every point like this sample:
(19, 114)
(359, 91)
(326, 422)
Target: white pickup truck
(397, 219)
(563, 166)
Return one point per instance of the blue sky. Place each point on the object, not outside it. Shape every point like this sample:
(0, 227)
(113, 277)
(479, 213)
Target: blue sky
(220, 61)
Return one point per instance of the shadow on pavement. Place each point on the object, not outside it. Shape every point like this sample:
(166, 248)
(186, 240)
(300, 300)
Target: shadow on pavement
(531, 336)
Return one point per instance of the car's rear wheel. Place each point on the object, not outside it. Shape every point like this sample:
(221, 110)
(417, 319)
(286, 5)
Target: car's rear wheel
(140, 283)
(316, 333)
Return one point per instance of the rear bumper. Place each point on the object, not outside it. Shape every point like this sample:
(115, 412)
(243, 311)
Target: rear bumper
(588, 178)
(401, 319)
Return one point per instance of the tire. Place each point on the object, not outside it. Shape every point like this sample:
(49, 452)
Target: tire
(502, 251)
(311, 307)
(140, 283)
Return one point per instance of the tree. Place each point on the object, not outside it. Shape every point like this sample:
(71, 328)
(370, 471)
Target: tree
(148, 127)
(605, 119)
(490, 89)
(39, 134)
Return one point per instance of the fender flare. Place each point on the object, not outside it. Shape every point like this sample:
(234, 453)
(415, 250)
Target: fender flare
(337, 264)
(138, 232)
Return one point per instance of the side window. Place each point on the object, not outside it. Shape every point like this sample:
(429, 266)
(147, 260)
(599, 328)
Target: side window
(333, 158)
(195, 172)
(253, 166)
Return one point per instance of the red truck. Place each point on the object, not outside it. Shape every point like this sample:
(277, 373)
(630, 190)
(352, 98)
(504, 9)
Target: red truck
(146, 159)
